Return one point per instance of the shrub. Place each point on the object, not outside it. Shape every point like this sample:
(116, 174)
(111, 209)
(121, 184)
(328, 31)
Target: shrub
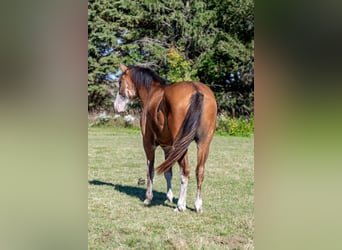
(104, 120)
(235, 126)
(225, 124)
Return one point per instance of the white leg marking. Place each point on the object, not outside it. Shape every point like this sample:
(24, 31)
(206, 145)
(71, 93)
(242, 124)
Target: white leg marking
(198, 203)
(169, 195)
(168, 177)
(149, 193)
(181, 204)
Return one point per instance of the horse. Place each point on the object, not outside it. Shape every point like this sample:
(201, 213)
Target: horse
(173, 115)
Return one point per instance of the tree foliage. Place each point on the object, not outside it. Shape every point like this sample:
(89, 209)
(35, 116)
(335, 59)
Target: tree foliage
(210, 41)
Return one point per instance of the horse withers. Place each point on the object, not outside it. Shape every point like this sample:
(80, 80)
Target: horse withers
(173, 116)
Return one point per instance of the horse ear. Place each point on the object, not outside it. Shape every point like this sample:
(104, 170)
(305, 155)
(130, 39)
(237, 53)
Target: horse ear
(123, 67)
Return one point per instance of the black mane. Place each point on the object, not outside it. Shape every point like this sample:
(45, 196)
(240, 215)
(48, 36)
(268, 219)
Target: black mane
(144, 76)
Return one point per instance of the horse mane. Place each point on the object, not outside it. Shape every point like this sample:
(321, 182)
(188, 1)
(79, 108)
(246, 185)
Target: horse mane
(145, 76)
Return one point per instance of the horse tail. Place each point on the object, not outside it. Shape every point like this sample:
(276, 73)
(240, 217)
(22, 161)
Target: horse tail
(186, 133)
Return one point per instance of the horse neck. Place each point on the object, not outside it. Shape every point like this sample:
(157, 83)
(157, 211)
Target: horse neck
(144, 93)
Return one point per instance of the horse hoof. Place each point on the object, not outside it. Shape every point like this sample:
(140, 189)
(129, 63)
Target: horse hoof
(179, 209)
(198, 205)
(169, 200)
(199, 210)
(147, 202)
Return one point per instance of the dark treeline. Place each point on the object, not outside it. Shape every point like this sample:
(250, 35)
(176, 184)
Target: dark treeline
(209, 41)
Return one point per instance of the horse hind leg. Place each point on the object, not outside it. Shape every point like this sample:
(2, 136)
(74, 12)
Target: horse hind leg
(168, 177)
(184, 174)
(202, 155)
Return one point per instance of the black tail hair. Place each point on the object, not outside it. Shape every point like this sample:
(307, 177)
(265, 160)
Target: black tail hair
(186, 133)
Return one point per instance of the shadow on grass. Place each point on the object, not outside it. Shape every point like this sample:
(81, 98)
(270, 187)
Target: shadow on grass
(138, 192)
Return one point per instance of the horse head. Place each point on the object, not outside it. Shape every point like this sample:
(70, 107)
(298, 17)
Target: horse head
(127, 90)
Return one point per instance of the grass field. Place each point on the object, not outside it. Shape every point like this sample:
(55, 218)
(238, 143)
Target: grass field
(118, 219)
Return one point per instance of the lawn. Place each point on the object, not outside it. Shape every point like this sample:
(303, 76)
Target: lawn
(118, 219)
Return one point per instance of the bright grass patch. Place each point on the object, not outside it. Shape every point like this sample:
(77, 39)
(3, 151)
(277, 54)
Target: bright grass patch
(118, 219)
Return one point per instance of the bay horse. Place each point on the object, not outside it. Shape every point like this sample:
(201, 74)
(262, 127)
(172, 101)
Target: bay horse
(173, 116)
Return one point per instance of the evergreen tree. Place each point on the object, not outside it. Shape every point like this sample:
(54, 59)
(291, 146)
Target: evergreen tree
(210, 41)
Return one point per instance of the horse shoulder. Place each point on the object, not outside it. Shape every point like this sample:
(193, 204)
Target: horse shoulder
(154, 111)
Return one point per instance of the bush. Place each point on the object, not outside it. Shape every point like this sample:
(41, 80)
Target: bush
(104, 120)
(225, 125)
(235, 126)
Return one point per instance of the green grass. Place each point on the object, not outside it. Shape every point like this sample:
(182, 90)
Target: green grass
(118, 219)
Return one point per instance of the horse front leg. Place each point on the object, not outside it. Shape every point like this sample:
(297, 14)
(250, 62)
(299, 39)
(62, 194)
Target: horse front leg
(149, 175)
(149, 150)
